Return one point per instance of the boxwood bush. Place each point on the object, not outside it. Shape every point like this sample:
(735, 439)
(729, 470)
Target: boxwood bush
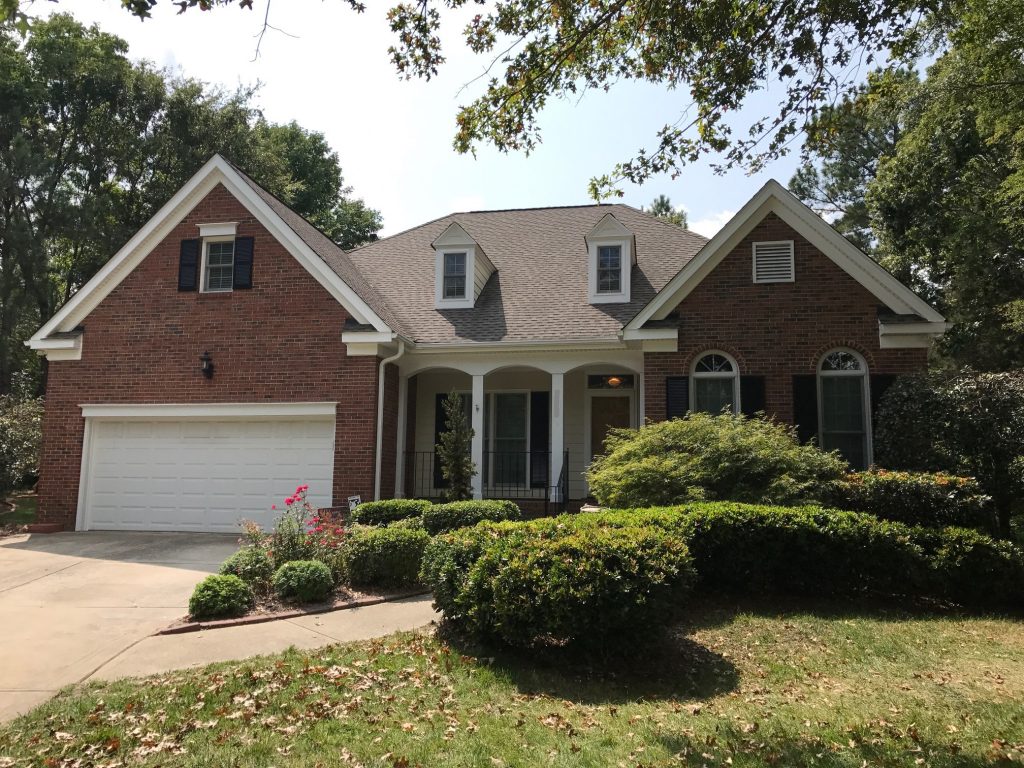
(388, 511)
(220, 596)
(527, 582)
(705, 457)
(539, 583)
(384, 557)
(459, 514)
(918, 498)
(252, 565)
(303, 581)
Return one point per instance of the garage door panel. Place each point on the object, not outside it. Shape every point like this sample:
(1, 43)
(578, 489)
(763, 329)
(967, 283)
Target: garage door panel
(203, 475)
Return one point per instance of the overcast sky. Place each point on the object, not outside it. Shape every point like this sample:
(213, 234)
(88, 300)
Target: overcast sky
(331, 73)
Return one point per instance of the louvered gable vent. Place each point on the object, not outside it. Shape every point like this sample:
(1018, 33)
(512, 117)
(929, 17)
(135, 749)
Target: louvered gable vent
(773, 262)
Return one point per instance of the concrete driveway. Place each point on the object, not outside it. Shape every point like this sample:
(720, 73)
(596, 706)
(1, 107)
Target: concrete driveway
(71, 602)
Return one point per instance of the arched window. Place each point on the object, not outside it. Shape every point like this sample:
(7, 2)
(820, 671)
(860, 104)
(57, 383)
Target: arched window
(715, 384)
(843, 406)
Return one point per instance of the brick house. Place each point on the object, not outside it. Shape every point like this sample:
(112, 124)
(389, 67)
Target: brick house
(230, 351)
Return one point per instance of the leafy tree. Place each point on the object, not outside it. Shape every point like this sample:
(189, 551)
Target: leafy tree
(661, 207)
(91, 144)
(454, 451)
(843, 146)
(723, 53)
(969, 424)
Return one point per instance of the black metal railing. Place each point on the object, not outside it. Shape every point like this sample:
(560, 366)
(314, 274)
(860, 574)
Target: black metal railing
(515, 475)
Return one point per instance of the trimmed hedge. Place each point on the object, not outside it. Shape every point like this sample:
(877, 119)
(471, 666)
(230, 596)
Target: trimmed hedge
(303, 581)
(251, 564)
(918, 498)
(388, 511)
(709, 458)
(540, 583)
(524, 582)
(439, 518)
(218, 596)
(384, 557)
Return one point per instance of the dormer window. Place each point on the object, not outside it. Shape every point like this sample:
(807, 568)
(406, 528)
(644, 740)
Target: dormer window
(461, 267)
(454, 276)
(611, 253)
(609, 269)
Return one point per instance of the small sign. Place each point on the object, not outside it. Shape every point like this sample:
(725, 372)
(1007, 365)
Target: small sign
(354, 501)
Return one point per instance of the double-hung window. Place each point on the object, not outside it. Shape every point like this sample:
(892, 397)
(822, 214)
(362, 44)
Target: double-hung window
(454, 283)
(219, 269)
(609, 269)
(715, 384)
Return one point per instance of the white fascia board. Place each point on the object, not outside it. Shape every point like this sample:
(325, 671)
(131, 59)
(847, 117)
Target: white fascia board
(215, 171)
(649, 334)
(910, 335)
(206, 411)
(367, 337)
(774, 198)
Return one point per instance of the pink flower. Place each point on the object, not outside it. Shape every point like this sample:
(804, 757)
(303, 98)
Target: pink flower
(273, 506)
(289, 500)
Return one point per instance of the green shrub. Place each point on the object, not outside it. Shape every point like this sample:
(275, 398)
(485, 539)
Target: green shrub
(967, 424)
(303, 581)
(918, 498)
(384, 557)
(460, 514)
(549, 582)
(218, 596)
(704, 457)
(388, 511)
(251, 564)
(21, 429)
(409, 523)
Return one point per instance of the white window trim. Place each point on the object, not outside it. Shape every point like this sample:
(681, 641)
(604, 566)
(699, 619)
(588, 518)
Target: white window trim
(205, 254)
(695, 374)
(869, 455)
(625, 264)
(466, 302)
(792, 261)
(219, 230)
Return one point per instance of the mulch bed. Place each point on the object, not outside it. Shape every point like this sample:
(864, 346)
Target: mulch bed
(269, 608)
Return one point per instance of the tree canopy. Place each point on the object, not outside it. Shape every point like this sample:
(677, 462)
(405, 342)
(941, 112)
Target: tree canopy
(929, 174)
(662, 207)
(91, 144)
(809, 51)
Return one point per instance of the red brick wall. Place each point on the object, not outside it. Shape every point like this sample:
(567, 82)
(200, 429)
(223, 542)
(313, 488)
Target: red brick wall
(775, 330)
(389, 453)
(278, 342)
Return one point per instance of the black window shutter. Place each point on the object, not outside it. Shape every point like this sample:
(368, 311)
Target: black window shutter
(805, 406)
(243, 262)
(880, 383)
(751, 394)
(188, 265)
(540, 432)
(677, 396)
(439, 429)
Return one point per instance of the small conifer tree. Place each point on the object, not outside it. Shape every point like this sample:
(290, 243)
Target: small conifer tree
(454, 451)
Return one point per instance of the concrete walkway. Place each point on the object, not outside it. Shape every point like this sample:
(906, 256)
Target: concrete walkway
(77, 606)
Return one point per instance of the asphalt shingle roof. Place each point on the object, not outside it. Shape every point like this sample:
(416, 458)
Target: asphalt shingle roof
(539, 288)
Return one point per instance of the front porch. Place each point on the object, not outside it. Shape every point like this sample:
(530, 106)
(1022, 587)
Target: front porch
(534, 430)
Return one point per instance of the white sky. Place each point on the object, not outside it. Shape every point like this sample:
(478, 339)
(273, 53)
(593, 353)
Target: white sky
(394, 137)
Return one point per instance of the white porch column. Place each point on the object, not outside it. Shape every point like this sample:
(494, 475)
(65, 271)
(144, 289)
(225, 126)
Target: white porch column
(557, 432)
(478, 435)
(403, 415)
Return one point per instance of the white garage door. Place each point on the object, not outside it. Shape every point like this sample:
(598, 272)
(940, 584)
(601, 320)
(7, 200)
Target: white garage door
(202, 475)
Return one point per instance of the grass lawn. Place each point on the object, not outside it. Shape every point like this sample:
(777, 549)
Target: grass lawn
(796, 685)
(24, 510)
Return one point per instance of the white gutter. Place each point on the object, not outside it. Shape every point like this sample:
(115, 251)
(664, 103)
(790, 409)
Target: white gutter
(380, 415)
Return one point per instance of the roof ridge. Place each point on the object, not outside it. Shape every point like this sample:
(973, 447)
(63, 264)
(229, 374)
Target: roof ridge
(684, 230)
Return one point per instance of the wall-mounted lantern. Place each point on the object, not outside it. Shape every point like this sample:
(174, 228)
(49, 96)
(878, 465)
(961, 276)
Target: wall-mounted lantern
(206, 365)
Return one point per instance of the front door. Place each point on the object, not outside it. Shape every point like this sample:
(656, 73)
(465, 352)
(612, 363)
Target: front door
(607, 412)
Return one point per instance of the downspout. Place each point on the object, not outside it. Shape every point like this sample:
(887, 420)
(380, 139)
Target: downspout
(380, 415)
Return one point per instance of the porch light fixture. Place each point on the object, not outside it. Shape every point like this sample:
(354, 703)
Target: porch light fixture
(206, 365)
(614, 382)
